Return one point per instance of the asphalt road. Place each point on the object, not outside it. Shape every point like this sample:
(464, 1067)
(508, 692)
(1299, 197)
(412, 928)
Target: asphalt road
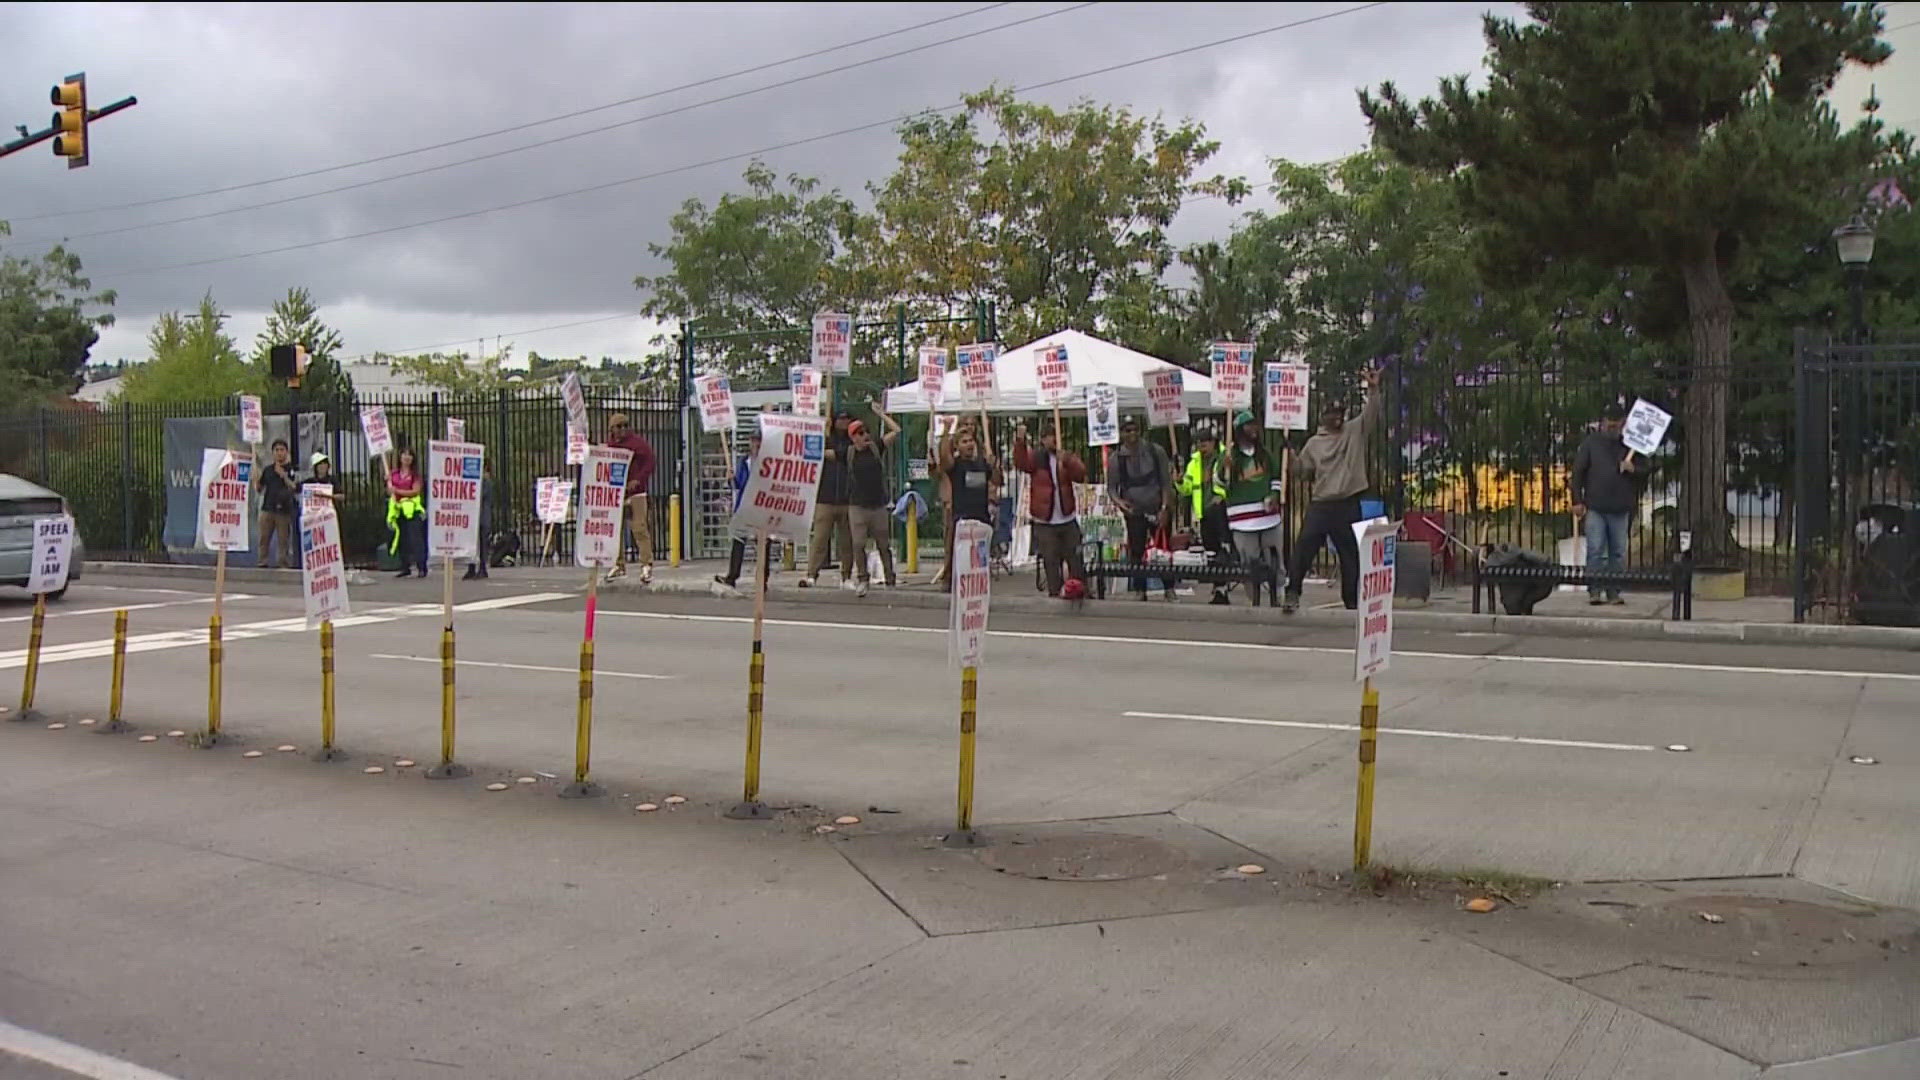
(212, 915)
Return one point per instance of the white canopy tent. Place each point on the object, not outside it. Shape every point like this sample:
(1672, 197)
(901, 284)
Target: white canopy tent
(1090, 361)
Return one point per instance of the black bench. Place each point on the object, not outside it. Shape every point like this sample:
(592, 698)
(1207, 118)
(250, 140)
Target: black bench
(1101, 570)
(1676, 579)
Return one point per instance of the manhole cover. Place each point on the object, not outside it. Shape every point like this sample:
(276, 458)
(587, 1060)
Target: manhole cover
(1082, 857)
(1770, 930)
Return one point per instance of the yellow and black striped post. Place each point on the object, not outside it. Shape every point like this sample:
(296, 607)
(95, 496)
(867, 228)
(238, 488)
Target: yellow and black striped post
(1363, 801)
(116, 695)
(32, 679)
(327, 751)
(750, 808)
(216, 659)
(969, 710)
(448, 769)
(583, 732)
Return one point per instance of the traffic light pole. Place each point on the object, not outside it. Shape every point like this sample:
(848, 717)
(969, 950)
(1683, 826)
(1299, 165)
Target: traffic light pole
(40, 137)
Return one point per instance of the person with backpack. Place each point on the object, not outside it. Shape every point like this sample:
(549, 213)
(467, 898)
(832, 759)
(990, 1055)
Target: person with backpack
(1140, 482)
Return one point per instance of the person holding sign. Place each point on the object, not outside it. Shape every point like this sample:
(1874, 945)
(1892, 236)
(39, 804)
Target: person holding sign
(1252, 478)
(621, 436)
(1056, 520)
(969, 478)
(1140, 480)
(1605, 489)
(319, 486)
(407, 513)
(1334, 462)
(832, 523)
(737, 554)
(477, 566)
(277, 488)
(868, 514)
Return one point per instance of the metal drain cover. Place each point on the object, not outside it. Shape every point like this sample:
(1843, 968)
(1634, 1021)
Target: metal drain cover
(1093, 856)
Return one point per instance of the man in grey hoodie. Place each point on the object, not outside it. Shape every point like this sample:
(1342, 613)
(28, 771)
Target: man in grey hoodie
(1606, 487)
(1140, 481)
(1334, 462)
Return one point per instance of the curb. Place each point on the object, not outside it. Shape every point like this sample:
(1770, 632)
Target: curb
(1858, 637)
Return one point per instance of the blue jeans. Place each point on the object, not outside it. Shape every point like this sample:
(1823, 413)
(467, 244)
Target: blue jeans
(1606, 545)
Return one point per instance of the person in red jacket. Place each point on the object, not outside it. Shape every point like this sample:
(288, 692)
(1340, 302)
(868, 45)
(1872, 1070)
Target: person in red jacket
(620, 434)
(1056, 520)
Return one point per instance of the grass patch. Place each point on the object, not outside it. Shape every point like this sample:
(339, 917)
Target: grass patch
(1505, 884)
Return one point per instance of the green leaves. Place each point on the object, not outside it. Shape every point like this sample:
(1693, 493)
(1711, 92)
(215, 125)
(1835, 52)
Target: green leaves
(48, 322)
(191, 358)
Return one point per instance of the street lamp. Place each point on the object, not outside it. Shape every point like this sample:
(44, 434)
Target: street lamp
(1854, 242)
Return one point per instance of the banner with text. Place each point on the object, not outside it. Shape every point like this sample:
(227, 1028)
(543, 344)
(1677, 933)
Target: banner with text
(52, 555)
(552, 497)
(784, 480)
(576, 444)
(253, 421)
(979, 372)
(715, 394)
(456, 429)
(832, 342)
(972, 593)
(1232, 374)
(1287, 385)
(373, 421)
(575, 399)
(805, 384)
(1052, 376)
(323, 567)
(226, 478)
(1646, 427)
(603, 488)
(1166, 397)
(933, 374)
(1373, 622)
(1103, 414)
(453, 498)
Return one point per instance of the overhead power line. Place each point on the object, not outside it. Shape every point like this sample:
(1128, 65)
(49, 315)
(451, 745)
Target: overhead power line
(419, 349)
(743, 155)
(648, 96)
(675, 111)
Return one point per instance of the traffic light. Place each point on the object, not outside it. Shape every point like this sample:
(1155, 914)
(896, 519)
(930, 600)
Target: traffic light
(71, 121)
(287, 362)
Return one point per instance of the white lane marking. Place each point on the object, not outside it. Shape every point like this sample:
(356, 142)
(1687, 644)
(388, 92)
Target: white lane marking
(182, 639)
(67, 1057)
(91, 587)
(1578, 661)
(1471, 736)
(65, 614)
(518, 667)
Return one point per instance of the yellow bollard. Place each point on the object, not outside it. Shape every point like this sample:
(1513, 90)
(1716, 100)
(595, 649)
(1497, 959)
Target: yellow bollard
(1363, 804)
(116, 696)
(215, 658)
(28, 685)
(673, 530)
(913, 541)
(583, 732)
(327, 752)
(448, 769)
(969, 702)
(750, 807)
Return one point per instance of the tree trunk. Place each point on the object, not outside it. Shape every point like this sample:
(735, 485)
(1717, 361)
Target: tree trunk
(1703, 486)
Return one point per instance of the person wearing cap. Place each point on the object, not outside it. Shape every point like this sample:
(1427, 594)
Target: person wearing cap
(1334, 463)
(319, 483)
(832, 525)
(1050, 503)
(869, 507)
(1201, 483)
(1140, 482)
(1252, 480)
(635, 516)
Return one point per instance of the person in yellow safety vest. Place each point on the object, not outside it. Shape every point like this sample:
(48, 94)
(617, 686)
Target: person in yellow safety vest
(407, 514)
(1209, 495)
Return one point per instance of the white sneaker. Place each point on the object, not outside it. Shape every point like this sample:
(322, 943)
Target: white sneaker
(847, 584)
(860, 589)
(646, 575)
(616, 572)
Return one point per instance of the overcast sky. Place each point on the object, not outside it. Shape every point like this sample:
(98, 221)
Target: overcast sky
(234, 94)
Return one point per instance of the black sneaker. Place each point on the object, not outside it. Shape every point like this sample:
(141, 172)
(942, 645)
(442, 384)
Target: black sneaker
(1289, 604)
(1219, 599)
(404, 573)
(1595, 601)
(470, 574)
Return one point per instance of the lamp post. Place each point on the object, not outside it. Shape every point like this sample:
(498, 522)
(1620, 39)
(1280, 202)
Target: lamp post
(1854, 242)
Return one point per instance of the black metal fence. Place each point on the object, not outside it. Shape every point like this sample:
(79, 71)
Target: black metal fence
(109, 461)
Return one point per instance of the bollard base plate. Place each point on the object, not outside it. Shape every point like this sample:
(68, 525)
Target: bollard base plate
(27, 716)
(207, 740)
(329, 753)
(448, 770)
(113, 727)
(582, 789)
(750, 811)
(964, 838)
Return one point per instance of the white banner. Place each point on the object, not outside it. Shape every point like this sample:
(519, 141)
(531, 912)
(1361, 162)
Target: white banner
(1166, 403)
(453, 498)
(805, 383)
(972, 593)
(323, 567)
(979, 372)
(575, 400)
(1103, 414)
(456, 430)
(1052, 376)
(933, 374)
(1646, 427)
(603, 490)
(1373, 622)
(253, 421)
(373, 421)
(316, 498)
(52, 554)
(832, 342)
(1287, 386)
(783, 481)
(552, 497)
(225, 479)
(1232, 374)
(576, 444)
(715, 394)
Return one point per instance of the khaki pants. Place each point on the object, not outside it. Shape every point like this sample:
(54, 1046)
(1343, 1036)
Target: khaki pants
(871, 524)
(641, 525)
(830, 522)
(1058, 548)
(279, 526)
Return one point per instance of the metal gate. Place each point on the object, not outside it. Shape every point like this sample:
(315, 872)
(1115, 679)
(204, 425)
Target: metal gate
(1856, 518)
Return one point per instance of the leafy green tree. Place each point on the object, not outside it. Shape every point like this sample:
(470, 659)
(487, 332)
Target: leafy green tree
(295, 320)
(455, 373)
(1059, 215)
(1663, 136)
(48, 322)
(191, 358)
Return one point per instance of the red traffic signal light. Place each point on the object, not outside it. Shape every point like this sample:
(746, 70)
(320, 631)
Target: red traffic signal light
(71, 121)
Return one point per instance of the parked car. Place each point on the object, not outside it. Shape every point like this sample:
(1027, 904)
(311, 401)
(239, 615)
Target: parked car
(23, 502)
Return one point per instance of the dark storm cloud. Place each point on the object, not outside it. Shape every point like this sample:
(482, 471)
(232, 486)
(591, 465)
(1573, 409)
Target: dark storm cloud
(235, 93)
